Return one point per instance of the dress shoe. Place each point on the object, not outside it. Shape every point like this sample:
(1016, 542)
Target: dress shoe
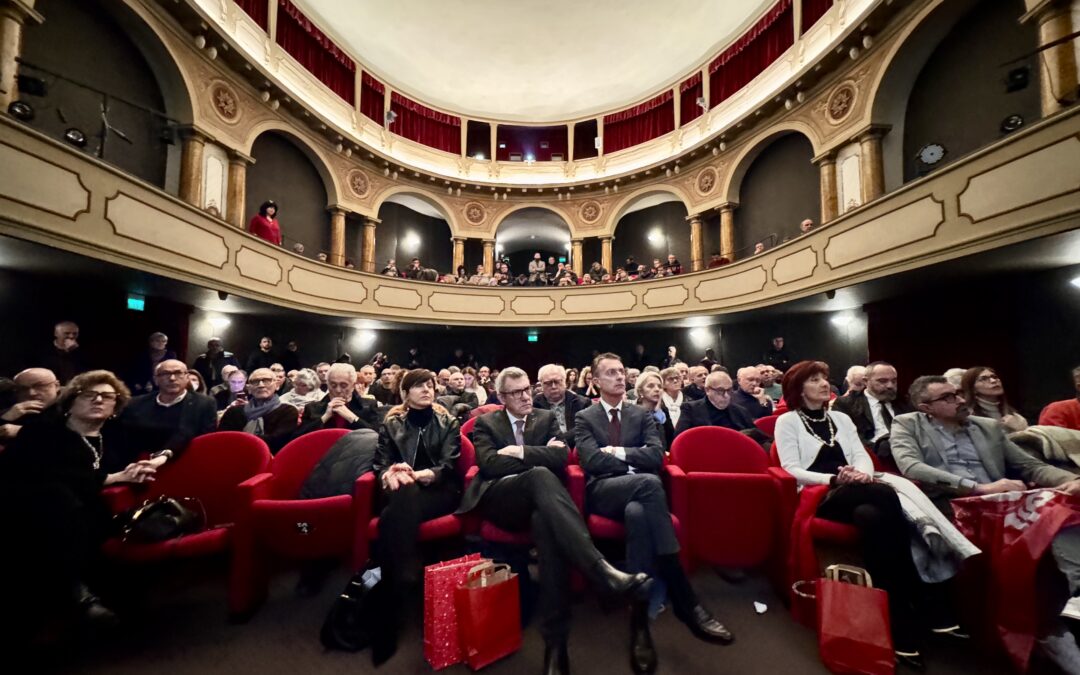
(556, 659)
(636, 587)
(92, 610)
(643, 658)
(705, 627)
(912, 660)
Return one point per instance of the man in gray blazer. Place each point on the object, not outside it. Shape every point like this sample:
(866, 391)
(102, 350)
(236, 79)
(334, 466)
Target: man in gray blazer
(622, 453)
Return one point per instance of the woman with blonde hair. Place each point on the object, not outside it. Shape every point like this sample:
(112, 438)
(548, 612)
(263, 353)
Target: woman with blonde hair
(585, 384)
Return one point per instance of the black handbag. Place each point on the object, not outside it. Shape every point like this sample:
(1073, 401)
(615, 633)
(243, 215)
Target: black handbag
(161, 519)
(348, 625)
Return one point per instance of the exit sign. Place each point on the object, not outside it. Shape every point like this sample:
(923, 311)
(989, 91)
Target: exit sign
(533, 337)
(136, 303)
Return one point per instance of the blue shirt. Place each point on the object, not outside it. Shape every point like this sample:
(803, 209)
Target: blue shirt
(960, 454)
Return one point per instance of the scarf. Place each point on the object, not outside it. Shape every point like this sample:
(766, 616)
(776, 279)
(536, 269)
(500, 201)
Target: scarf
(253, 410)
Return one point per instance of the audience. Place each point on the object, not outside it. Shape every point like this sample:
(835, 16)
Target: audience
(854, 382)
(263, 358)
(955, 376)
(235, 391)
(717, 260)
(195, 382)
(64, 358)
(671, 399)
(672, 266)
(210, 363)
(874, 410)
(142, 371)
(715, 409)
(777, 355)
(305, 389)
(1064, 413)
(770, 381)
(555, 397)
(264, 415)
(750, 396)
(36, 390)
(985, 395)
(695, 391)
(342, 407)
(649, 389)
(455, 393)
(472, 385)
(264, 224)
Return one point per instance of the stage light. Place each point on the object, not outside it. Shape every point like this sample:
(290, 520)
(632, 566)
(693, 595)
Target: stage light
(480, 156)
(390, 117)
(21, 110)
(842, 320)
(1075, 282)
(75, 137)
(218, 323)
(363, 339)
(701, 337)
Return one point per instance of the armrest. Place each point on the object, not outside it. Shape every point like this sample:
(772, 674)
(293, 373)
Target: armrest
(364, 497)
(678, 492)
(471, 474)
(256, 487)
(575, 484)
(788, 492)
(118, 498)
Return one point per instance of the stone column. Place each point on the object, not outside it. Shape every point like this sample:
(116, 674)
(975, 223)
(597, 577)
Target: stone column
(697, 244)
(605, 254)
(367, 245)
(1057, 65)
(459, 253)
(191, 166)
(489, 256)
(576, 255)
(14, 14)
(827, 166)
(234, 209)
(727, 231)
(337, 237)
(871, 167)
(677, 99)
(705, 88)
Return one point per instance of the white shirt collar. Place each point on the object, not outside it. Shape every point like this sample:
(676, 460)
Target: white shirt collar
(608, 408)
(169, 405)
(513, 419)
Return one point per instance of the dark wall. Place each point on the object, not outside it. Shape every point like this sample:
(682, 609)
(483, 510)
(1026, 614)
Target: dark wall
(474, 254)
(806, 336)
(591, 250)
(710, 230)
(959, 99)
(399, 222)
(779, 190)
(632, 235)
(283, 173)
(81, 41)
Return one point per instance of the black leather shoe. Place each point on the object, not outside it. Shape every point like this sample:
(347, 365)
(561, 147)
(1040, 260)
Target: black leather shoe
(635, 587)
(556, 659)
(92, 610)
(913, 660)
(704, 626)
(643, 658)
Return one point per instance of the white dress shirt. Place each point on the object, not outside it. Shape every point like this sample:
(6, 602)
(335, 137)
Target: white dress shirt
(880, 428)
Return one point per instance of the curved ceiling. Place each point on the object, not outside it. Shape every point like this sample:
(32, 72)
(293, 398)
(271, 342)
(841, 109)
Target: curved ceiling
(532, 61)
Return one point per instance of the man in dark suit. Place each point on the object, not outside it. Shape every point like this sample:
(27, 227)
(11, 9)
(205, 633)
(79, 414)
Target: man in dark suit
(342, 407)
(695, 391)
(873, 410)
(555, 397)
(622, 453)
(716, 409)
(750, 396)
(520, 457)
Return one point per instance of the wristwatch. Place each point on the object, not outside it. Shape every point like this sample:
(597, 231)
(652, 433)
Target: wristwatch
(166, 453)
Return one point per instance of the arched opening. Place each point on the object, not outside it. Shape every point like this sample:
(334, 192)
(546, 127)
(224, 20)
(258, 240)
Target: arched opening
(284, 172)
(413, 226)
(652, 226)
(526, 232)
(779, 189)
(125, 101)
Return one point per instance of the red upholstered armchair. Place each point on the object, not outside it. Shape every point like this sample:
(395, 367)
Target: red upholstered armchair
(735, 508)
(767, 425)
(213, 469)
(279, 523)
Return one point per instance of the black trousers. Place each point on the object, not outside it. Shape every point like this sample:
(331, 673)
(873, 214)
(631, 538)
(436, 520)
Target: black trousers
(538, 500)
(639, 502)
(399, 528)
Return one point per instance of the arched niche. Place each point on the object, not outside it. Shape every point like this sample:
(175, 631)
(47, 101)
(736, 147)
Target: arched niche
(651, 224)
(778, 187)
(286, 172)
(107, 55)
(413, 225)
(533, 229)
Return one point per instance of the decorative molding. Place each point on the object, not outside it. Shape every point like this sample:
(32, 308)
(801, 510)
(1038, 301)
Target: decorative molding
(40, 184)
(671, 296)
(314, 283)
(134, 219)
(358, 183)
(397, 298)
(533, 304)
(794, 266)
(746, 282)
(258, 266)
(903, 226)
(466, 303)
(1045, 174)
(599, 303)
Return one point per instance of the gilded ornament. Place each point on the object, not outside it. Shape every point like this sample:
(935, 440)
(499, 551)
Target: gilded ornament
(358, 182)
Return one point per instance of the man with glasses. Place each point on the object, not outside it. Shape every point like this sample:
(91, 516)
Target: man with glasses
(36, 389)
(164, 423)
(555, 397)
(264, 415)
(342, 407)
(716, 409)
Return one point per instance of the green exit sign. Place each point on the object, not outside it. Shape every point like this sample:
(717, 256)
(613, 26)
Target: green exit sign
(136, 303)
(533, 337)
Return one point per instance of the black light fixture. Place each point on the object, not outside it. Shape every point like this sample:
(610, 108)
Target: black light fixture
(223, 296)
(31, 86)
(1017, 79)
(75, 137)
(21, 110)
(1011, 124)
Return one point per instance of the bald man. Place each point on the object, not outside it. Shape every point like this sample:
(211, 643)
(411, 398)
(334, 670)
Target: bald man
(716, 409)
(64, 357)
(264, 414)
(36, 389)
(750, 396)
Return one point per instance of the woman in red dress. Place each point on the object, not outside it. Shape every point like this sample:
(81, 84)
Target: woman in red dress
(264, 225)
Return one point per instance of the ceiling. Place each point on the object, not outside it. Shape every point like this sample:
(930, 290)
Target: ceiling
(531, 61)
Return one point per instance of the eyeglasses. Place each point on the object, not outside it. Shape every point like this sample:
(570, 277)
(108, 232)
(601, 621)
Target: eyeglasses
(517, 393)
(719, 391)
(951, 397)
(552, 383)
(988, 378)
(40, 386)
(261, 380)
(169, 374)
(91, 396)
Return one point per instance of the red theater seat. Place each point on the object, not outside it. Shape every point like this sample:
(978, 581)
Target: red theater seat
(767, 425)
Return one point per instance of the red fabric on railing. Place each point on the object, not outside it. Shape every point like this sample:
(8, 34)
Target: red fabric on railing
(372, 97)
(812, 10)
(315, 51)
(689, 91)
(257, 10)
(639, 124)
(752, 53)
(420, 123)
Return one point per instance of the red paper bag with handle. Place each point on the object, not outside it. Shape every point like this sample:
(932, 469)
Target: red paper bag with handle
(488, 614)
(441, 646)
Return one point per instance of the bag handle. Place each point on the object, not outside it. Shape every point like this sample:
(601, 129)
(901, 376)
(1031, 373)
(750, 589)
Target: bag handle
(484, 571)
(849, 574)
(795, 588)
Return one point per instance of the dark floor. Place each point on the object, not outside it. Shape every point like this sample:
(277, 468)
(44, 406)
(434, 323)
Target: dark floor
(182, 628)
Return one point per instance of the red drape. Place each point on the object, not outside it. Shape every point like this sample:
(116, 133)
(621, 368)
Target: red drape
(372, 97)
(639, 124)
(316, 52)
(689, 91)
(752, 53)
(419, 123)
(812, 10)
(256, 9)
(529, 140)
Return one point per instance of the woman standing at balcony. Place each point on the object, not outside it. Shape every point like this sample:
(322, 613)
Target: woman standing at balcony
(264, 224)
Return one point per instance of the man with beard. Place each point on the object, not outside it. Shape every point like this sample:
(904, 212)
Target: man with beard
(874, 410)
(210, 363)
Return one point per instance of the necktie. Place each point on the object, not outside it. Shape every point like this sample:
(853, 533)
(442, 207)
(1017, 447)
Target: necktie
(614, 429)
(519, 432)
(886, 416)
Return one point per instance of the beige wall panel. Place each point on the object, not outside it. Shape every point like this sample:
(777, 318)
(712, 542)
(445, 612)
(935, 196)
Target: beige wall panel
(906, 225)
(41, 184)
(672, 296)
(257, 266)
(588, 303)
(743, 283)
(397, 298)
(322, 285)
(1046, 173)
(461, 303)
(142, 222)
(532, 304)
(798, 265)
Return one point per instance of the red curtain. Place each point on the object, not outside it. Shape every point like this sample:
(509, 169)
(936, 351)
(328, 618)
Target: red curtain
(372, 97)
(256, 9)
(812, 10)
(752, 53)
(639, 124)
(316, 52)
(429, 127)
(689, 91)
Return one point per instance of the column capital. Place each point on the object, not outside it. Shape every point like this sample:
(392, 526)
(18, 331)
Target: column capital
(827, 157)
(237, 157)
(488, 242)
(727, 206)
(371, 221)
(336, 210)
(190, 132)
(577, 240)
(458, 238)
(695, 217)
(606, 237)
(22, 11)
(1043, 10)
(874, 131)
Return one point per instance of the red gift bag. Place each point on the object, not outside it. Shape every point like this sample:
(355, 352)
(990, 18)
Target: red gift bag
(1015, 529)
(441, 646)
(488, 614)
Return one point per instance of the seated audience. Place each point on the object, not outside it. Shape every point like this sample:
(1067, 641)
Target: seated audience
(390, 270)
(36, 390)
(321, 256)
(672, 397)
(759, 248)
(715, 409)
(365, 378)
(586, 279)
(717, 260)
(709, 360)
(235, 394)
(210, 362)
(414, 269)
(322, 369)
(684, 371)
(282, 384)
(649, 389)
(142, 371)
(805, 226)
(1064, 413)
(695, 391)
(472, 385)
(64, 357)
(632, 375)
(263, 358)
(620, 276)
(750, 396)
(195, 382)
(597, 271)
(342, 407)
(770, 381)
(305, 389)
(985, 395)
(955, 376)
(555, 397)
(298, 248)
(874, 410)
(672, 266)
(223, 386)
(264, 224)
(854, 382)
(585, 384)
(455, 393)
(264, 415)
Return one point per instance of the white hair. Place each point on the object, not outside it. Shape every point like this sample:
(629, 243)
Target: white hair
(954, 375)
(308, 377)
(348, 369)
(550, 369)
(854, 372)
(748, 370)
(510, 373)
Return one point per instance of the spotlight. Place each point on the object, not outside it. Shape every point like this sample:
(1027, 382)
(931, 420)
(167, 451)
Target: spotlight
(701, 103)
(479, 156)
(21, 110)
(842, 320)
(75, 137)
(222, 295)
(218, 322)
(1075, 282)
(390, 117)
